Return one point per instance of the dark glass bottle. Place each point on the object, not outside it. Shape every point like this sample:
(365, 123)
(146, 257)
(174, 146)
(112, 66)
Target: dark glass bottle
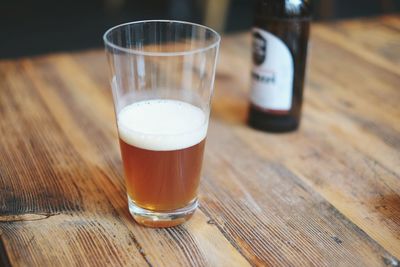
(280, 38)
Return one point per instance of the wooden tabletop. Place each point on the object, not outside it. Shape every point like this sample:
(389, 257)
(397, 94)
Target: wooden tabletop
(326, 195)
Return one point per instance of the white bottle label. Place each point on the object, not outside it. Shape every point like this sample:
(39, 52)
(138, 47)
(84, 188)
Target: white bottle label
(272, 75)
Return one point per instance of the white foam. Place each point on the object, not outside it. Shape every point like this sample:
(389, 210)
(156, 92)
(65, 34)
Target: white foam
(162, 125)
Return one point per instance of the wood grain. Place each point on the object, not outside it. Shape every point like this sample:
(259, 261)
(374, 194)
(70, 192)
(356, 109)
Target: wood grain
(326, 195)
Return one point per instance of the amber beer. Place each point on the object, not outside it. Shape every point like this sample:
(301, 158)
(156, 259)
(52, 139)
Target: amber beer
(162, 180)
(162, 144)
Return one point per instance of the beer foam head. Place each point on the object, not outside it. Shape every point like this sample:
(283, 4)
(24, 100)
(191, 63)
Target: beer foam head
(162, 124)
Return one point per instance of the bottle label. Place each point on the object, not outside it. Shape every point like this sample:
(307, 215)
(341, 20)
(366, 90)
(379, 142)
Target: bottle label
(272, 75)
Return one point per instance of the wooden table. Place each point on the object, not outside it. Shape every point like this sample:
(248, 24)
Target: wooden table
(326, 195)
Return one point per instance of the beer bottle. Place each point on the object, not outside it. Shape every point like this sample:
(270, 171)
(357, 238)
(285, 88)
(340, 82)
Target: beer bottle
(280, 37)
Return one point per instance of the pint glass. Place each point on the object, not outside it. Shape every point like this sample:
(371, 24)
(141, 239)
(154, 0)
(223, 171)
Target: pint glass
(162, 76)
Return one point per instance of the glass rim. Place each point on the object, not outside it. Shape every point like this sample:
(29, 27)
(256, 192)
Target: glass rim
(144, 53)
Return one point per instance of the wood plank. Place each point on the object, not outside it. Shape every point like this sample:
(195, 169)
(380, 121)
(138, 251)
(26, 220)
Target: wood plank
(93, 173)
(342, 115)
(295, 226)
(391, 21)
(225, 101)
(327, 195)
(356, 48)
(58, 185)
(379, 37)
(375, 113)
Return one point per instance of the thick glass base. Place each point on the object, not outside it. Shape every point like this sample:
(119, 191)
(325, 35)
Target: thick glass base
(169, 218)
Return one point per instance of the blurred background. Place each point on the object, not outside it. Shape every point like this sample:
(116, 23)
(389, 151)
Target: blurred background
(45, 26)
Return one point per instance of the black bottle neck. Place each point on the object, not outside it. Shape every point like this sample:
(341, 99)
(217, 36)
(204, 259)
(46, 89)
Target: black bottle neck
(283, 9)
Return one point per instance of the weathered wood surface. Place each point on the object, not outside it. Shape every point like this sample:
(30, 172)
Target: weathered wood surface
(326, 195)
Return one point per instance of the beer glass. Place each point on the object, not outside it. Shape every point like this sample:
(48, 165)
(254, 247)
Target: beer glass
(162, 76)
